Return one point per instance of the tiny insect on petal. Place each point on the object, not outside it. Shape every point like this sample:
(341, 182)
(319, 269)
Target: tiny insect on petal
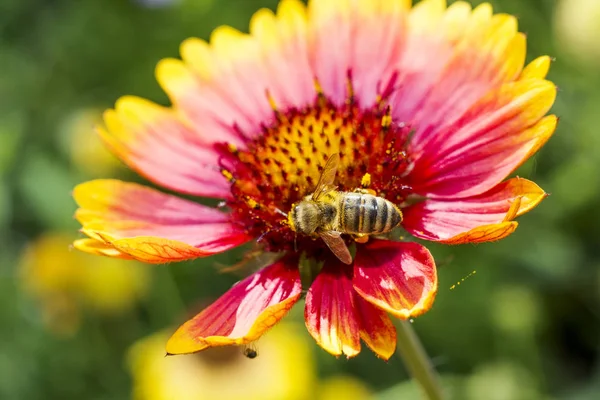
(244, 313)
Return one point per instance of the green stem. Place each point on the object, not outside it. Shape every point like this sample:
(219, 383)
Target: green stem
(417, 362)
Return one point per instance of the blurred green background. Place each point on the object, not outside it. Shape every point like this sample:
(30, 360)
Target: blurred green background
(526, 325)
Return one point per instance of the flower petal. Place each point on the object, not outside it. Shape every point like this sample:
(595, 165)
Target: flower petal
(226, 89)
(397, 277)
(484, 233)
(474, 52)
(474, 219)
(376, 328)
(149, 225)
(471, 153)
(244, 313)
(283, 41)
(329, 313)
(363, 31)
(155, 142)
(98, 248)
(473, 111)
(218, 109)
(537, 69)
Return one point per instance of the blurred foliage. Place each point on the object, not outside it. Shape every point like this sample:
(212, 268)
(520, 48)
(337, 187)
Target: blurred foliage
(525, 326)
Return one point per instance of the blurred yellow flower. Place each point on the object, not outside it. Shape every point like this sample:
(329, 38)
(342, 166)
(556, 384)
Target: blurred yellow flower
(64, 281)
(86, 150)
(283, 370)
(343, 387)
(577, 27)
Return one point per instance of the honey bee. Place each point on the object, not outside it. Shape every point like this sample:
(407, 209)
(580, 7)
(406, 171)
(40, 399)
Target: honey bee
(329, 213)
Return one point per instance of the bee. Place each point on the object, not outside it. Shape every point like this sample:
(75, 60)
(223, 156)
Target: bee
(329, 213)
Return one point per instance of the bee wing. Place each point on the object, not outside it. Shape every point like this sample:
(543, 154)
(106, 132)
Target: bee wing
(327, 178)
(336, 244)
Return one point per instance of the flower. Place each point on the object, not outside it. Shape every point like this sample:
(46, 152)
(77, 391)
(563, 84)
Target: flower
(430, 105)
(65, 282)
(284, 369)
(343, 387)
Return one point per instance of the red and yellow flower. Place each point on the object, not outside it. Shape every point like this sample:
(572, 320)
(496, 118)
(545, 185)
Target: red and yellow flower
(433, 102)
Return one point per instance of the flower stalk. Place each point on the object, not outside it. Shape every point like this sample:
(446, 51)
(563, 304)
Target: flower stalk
(410, 349)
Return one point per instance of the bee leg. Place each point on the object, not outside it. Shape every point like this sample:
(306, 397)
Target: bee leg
(361, 238)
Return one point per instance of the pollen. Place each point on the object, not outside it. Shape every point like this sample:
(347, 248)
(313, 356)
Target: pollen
(365, 182)
(285, 161)
(232, 148)
(252, 203)
(228, 175)
(386, 120)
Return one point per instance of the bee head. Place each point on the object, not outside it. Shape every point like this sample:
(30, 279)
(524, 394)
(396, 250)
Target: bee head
(305, 217)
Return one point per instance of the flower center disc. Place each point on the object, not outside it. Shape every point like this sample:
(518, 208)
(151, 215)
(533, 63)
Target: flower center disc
(284, 163)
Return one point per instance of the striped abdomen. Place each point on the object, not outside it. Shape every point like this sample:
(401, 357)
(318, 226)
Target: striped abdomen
(365, 213)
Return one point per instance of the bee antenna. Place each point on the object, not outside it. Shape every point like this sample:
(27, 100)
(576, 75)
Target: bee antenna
(295, 242)
(281, 212)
